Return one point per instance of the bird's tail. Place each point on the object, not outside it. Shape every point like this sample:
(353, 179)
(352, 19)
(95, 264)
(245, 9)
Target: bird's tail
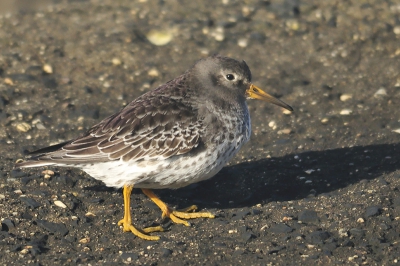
(38, 158)
(29, 163)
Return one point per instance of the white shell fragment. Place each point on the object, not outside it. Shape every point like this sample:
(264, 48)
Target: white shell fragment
(324, 120)
(346, 112)
(116, 61)
(381, 92)
(60, 204)
(396, 130)
(23, 127)
(345, 97)
(48, 69)
(159, 37)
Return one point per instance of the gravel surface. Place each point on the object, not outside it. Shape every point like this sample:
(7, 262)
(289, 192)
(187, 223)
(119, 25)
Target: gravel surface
(319, 186)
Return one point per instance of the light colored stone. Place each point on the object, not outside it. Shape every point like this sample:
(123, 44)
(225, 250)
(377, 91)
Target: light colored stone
(345, 97)
(381, 92)
(153, 72)
(272, 124)
(346, 112)
(48, 172)
(396, 130)
(243, 42)
(60, 204)
(90, 214)
(23, 127)
(159, 37)
(324, 120)
(285, 131)
(286, 112)
(84, 240)
(396, 30)
(116, 61)
(48, 69)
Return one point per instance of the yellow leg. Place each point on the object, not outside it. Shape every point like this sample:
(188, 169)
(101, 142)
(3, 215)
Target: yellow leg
(127, 221)
(176, 216)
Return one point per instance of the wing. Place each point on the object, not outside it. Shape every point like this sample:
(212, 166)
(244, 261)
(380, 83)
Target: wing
(154, 126)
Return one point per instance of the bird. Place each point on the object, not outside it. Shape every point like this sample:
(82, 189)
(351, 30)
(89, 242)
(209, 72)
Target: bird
(180, 133)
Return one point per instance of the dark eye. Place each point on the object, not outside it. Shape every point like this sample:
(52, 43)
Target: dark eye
(230, 77)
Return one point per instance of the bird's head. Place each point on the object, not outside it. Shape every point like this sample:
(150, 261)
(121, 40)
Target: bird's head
(226, 77)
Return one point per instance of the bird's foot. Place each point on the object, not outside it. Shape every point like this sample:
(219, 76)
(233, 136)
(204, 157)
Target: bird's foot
(143, 234)
(179, 216)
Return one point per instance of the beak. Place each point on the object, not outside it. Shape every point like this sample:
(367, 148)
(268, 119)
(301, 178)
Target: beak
(253, 92)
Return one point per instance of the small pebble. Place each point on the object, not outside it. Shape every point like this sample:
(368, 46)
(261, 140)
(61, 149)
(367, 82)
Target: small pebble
(129, 256)
(84, 240)
(293, 24)
(343, 232)
(24, 251)
(381, 92)
(48, 69)
(396, 30)
(372, 211)
(116, 61)
(360, 220)
(246, 236)
(9, 223)
(286, 112)
(345, 97)
(346, 112)
(47, 173)
(286, 219)
(165, 252)
(8, 81)
(218, 34)
(60, 204)
(243, 43)
(30, 203)
(40, 126)
(280, 229)
(159, 37)
(324, 120)
(308, 216)
(272, 124)
(153, 72)
(285, 131)
(317, 237)
(246, 11)
(56, 228)
(23, 127)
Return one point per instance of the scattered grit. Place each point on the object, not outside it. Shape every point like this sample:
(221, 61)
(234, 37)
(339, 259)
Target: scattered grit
(319, 186)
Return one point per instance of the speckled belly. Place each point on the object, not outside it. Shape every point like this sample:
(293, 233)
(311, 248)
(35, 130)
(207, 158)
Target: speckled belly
(174, 172)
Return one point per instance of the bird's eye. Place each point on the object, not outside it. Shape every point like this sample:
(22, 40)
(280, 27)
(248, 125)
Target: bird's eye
(230, 77)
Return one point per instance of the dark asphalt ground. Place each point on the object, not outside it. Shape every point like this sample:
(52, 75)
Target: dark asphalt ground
(319, 186)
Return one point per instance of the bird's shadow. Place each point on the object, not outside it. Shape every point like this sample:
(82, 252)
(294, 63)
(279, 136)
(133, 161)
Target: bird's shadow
(291, 177)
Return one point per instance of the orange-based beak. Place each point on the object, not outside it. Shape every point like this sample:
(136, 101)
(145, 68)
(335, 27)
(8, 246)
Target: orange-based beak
(254, 92)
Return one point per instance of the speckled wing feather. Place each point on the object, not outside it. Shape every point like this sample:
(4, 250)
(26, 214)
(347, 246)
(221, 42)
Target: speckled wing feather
(157, 125)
